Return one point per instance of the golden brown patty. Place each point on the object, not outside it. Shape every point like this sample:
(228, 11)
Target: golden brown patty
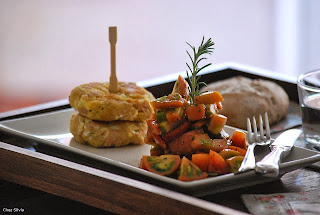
(94, 101)
(107, 134)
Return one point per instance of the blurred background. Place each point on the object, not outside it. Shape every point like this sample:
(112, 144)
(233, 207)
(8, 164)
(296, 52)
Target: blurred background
(49, 47)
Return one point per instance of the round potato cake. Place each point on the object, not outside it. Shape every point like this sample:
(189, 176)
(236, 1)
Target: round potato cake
(94, 100)
(107, 134)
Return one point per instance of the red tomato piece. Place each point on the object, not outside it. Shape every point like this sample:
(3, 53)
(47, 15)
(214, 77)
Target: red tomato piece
(182, 144)
(182, 87)
(154, 126)
(196, 112)
(170, 101)
(241, 150)
(159, 141)
(201, 160)
(235, 162)
(189, 171)
(239, 139)
(217, 163)
(217, 122)
(208, 98)
(228, 153)
(176, 132)
(162, 165)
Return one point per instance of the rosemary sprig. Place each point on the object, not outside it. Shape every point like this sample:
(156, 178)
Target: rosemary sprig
(194, 84)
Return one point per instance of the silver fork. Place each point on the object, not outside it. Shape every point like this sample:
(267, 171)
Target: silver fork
(254, 139)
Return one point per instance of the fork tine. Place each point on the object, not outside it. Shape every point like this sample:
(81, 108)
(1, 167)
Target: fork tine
(249, 130)
(255, 130)
(267, 126)
(261, 128)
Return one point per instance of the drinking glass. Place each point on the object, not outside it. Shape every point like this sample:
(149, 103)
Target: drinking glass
(309, 99)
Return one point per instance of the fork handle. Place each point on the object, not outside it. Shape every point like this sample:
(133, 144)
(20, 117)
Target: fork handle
(269, 165)
(249, 161)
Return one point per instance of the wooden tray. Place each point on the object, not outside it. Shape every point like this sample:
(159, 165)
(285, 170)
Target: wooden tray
(86, 180)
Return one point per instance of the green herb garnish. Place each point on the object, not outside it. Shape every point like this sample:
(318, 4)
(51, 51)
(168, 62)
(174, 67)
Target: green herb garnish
(194, 84)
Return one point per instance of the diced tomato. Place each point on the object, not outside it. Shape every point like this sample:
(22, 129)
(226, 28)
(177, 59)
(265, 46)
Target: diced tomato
(228, 153)
(201, 160)
(219, 144)
(154, 127)
(159, 140)
(196, 112)
(217, 122)
(189, 171)
(208, 98)
(182, 87)
(148, 139)
(235, 163)
(182, 144)
(239, 139)
(176, 132)
(217, 163)
(198, 124)
(241, 150)
(162, 165)
(211, 109)
(160, 115)
(170, 101)
(201, 141)
(156, 151)
(142, 166)
(219, 105)
(175, 114)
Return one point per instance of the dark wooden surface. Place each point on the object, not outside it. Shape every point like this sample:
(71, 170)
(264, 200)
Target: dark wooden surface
(45, 182)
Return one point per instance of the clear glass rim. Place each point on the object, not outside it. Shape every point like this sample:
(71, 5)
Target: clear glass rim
(305, 86)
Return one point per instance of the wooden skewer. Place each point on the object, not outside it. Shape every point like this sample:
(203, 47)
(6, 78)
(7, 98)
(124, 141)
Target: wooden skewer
(113, 83)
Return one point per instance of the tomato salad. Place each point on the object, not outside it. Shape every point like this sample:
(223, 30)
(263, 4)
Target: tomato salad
(188, 140)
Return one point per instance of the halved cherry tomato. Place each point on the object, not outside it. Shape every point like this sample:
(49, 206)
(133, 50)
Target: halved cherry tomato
(189, 171)
(235, 162)
(241, 150)
(162, 165)
(208, 98)
(217, 163)
(201, 160)
(228, 153)
(239, 139)
(196, 112)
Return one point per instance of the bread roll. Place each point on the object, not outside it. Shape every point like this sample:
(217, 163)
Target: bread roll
(244, 97)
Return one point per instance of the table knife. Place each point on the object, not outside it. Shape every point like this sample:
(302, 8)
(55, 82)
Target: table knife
(280, 148)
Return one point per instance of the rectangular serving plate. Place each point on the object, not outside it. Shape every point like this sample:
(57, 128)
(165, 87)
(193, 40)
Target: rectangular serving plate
(53, 129)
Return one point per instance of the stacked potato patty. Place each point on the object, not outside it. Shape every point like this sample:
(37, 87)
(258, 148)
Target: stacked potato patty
(106, 119)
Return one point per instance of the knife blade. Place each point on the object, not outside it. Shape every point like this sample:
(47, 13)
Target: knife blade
(280, 148)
